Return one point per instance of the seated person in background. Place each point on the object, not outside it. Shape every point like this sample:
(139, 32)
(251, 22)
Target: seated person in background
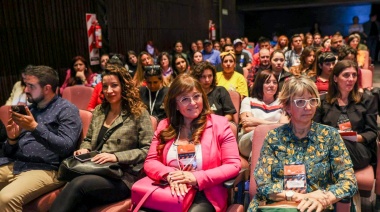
(131, 62)
(144, 59)
(166, 67)
(277, 62)
(153, 94)
(264, 64)
(262, 107)
(349, 53)
(97, 94)
(180, 65)
(37, 142)
(354, 42)
(227, 48)
(328, 175)
(264, 43)
(346, 109)
(123, 124)
(242, 58)
(209, 54)
(18, 96)
(282, 43)
(80, 73)
(228, 78)
(292, 56)
(325, 64)
(306, 66)
(218, 97)
(214, 148)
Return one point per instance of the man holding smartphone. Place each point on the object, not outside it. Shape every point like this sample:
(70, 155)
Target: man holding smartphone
(38, 141)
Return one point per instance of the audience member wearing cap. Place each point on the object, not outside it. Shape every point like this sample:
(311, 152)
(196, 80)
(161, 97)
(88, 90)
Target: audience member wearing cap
(325, 64)
(229, 78)
(209, 54)
(242, 58)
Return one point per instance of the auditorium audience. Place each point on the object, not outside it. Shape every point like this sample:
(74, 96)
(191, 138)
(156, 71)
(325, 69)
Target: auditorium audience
(277, 61)
(306, 66)
(325, 64)
(282, 43)
(292, 56)
(144, 59)
(132, 62)
(166, 67)
(180, 65)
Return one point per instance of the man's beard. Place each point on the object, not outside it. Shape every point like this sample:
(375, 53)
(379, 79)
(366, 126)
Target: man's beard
(34, 100)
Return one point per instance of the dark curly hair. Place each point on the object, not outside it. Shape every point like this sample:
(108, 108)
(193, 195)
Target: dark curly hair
(130, 95)
(199, 68)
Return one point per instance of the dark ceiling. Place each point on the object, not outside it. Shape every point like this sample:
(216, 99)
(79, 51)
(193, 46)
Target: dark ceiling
(257, 5)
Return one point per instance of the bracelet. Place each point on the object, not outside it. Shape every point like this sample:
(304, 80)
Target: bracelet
(13, 139)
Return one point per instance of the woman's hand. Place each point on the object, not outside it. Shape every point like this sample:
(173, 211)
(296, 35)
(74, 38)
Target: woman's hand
(180, 189)
(81, 151)
(104, 158)
(80, 75)
(320, 196)
(309, 205)
(182, 177)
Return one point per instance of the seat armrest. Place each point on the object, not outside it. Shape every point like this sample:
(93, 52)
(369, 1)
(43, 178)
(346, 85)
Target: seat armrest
(233, 182)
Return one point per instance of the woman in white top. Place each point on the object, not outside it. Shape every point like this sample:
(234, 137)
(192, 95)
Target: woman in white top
(262, 107)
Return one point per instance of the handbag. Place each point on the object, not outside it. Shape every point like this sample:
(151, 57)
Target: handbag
(160, 198)
(71, 167)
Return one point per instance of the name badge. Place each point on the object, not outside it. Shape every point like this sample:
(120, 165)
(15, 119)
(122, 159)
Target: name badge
(295, 178)
(345, 126)
(186, 157)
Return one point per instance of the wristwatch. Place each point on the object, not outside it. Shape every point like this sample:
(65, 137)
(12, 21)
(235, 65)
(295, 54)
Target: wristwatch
(288, 195)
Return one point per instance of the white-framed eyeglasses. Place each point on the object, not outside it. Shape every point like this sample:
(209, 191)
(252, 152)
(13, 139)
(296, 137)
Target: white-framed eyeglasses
(186, 100)
(300, 103)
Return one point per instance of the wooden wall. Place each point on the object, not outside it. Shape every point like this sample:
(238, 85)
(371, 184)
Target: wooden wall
(51, 32)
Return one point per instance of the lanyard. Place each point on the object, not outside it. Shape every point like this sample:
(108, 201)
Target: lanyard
(151, 105)
(188, 163)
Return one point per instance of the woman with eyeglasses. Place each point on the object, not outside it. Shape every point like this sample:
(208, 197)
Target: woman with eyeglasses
(262, 107)
(154, 92)
(347, 109)
(212, 154)
(315, 152)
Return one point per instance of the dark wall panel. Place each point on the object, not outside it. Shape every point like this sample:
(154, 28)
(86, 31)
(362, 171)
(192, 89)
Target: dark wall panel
(51, 32)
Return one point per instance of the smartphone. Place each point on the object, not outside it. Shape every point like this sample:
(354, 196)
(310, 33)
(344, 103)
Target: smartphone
(19, 109)
(86, 157)
(160, 183)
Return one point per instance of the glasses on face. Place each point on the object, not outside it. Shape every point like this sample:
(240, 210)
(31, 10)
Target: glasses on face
(186, 100)
(300, 103)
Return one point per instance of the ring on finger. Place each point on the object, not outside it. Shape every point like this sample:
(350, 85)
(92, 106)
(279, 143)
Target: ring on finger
(306, 199)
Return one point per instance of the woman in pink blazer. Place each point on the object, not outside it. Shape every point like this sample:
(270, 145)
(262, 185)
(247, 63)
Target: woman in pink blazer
(193, 150)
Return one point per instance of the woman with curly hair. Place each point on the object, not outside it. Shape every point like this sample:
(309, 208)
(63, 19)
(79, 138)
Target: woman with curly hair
(211, 145)
(123, 125)
(80, 73)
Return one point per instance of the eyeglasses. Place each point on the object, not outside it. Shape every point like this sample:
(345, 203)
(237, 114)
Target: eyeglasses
(186, 100)
(300, 103)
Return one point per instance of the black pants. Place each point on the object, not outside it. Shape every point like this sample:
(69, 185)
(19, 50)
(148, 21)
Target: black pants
(88, 191)
(200, 204)
(360, 155)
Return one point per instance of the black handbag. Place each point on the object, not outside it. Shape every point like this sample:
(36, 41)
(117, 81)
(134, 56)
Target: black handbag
(71, 167)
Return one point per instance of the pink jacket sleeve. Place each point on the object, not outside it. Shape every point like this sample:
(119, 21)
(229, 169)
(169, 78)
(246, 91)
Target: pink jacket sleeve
(221, 161)
(153, 167)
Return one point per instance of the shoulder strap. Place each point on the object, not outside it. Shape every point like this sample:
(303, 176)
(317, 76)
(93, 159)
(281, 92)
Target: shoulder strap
(145, 197)
(107, 135)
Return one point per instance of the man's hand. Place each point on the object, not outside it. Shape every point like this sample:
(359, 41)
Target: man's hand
(26, 122)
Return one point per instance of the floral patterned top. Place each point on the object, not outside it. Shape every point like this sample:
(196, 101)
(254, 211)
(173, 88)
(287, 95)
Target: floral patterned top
(327, 161)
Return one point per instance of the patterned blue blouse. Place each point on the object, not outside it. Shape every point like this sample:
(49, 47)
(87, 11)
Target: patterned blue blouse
(328, 164)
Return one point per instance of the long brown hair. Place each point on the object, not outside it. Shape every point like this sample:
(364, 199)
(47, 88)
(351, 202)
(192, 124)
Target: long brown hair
(130, 95)
(139, 75)
(183, 83)
(297, 70)
(333, 93)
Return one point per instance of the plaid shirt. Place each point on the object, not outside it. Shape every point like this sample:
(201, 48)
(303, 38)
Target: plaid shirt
(292, 58)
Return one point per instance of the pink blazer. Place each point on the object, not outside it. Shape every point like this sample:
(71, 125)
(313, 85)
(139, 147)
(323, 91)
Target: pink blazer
(220, 159)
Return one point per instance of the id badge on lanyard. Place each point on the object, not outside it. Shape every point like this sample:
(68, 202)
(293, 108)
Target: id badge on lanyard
(186, 157)
(295, 178)
(345, 125)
